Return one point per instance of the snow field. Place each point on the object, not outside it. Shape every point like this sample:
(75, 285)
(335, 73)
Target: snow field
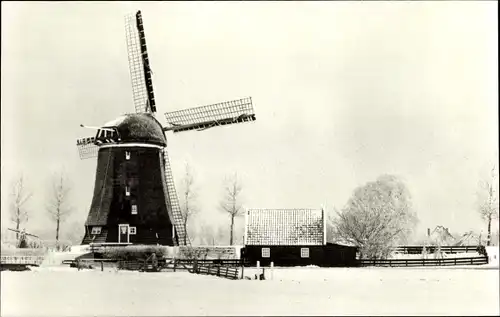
(60, 291)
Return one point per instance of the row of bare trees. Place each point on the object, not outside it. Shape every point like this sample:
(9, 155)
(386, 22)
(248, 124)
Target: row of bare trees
(379, 214)
(230, 204)
(57, 202)
(58, 206)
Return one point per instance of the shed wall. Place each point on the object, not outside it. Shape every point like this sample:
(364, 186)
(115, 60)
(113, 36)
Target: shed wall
(325, 255)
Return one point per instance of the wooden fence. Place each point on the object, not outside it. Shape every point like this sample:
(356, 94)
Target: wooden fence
(425, 262)
(223, 268)
(224, 262)
(417, 249)
(218, 270)
(24, 260)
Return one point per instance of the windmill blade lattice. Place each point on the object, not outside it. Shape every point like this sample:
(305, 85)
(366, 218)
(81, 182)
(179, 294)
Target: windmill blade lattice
(173, 202)
(140, 73)
(201, 118)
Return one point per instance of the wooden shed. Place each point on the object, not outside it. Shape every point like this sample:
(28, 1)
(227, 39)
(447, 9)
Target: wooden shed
(292, 237)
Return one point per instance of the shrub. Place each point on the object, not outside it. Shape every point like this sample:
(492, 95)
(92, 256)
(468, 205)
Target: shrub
(481, 250)
(191, 253)
(134, 252)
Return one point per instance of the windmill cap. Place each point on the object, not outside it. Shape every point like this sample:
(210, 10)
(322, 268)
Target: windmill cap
(138, 127)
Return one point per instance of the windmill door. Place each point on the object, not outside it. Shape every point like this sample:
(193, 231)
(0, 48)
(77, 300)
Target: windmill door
(123, 233)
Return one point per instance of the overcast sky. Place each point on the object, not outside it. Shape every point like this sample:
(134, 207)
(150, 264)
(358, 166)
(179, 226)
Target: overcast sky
(343, 92)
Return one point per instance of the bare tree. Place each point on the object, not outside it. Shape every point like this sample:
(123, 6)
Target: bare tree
(230, 202)
(189, 196)
(20, 196)
(488, 201)
(207, 234)
(376, 217)
(58, 204)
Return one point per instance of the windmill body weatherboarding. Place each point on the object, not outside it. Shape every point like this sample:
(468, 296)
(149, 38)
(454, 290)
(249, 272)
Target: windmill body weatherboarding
(135, 200)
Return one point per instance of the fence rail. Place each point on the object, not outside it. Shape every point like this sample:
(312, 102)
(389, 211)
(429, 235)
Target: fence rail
(417, 249)
(25, 260)
(425, 262)
(225, 262)
(218, 270)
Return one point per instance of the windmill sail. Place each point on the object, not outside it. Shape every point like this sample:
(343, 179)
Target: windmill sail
(138, 59)
(24, 232)
(173, 202)
(205, 117)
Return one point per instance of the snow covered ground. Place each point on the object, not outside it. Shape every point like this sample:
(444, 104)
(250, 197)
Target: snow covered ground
(61, 291)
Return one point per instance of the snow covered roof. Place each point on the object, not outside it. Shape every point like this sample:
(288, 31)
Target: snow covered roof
(138, 127)
(344, 243)
(284, 227)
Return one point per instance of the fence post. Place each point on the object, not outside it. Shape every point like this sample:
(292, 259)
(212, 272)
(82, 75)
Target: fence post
(272, 270)
(175, 264)
(471, 261)
(242, 269)
(102, 266)
(258, 264)
(455, 261)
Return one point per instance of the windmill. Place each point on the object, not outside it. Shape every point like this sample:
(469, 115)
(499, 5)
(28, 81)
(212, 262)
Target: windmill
(134, 199)
(22, 241)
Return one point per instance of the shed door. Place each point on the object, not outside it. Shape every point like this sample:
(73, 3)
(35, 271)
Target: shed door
(123, 233)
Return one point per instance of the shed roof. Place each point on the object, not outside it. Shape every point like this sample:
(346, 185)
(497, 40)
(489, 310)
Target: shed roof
(285, 227)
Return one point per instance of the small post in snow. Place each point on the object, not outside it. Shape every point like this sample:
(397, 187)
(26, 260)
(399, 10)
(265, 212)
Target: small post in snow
(272, 270)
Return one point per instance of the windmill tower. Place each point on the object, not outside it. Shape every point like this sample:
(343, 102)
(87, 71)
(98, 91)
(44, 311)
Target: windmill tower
(134, 199)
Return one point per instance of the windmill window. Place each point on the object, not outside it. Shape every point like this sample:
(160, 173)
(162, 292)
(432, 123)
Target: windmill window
(127, 190)
(266, 252)
(133, 230)
(134, 209)
(304, 252)
(96, 230)
(127, 155)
